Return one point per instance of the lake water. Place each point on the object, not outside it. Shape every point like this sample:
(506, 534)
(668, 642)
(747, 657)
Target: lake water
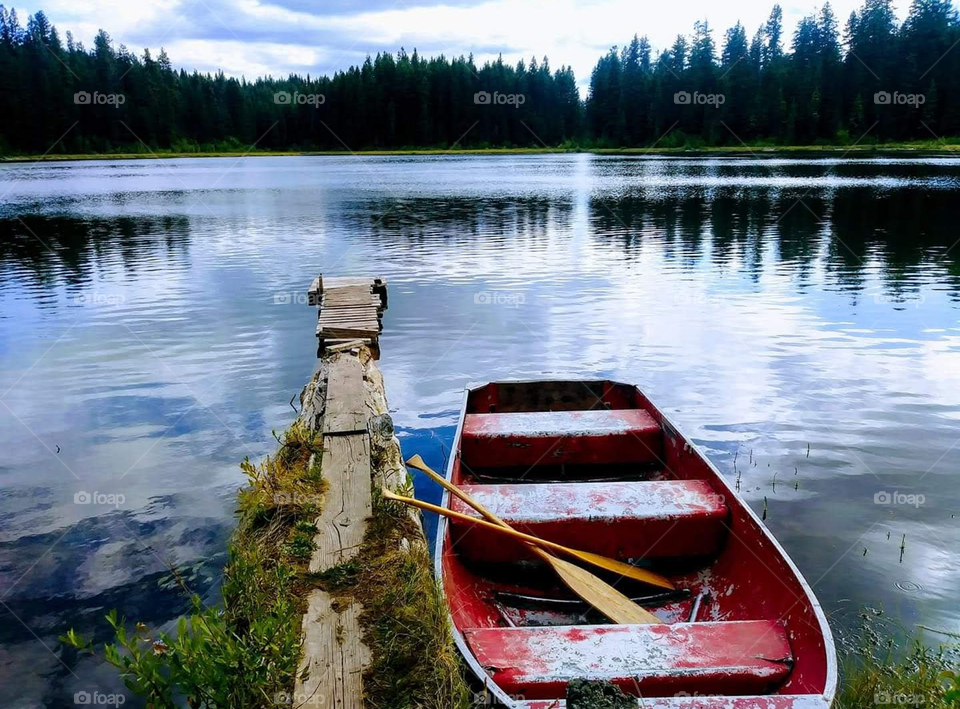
(800, 318)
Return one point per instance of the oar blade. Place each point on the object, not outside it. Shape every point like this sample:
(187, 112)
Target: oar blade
(415, 461)
(599, 594)
(619, 567)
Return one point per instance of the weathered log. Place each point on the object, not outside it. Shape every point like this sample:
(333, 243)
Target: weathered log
(345, 400)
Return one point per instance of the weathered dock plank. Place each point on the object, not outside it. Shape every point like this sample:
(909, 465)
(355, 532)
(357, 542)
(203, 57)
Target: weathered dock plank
(344, 412)
(350, 307)
(340, 526)
(334, 656)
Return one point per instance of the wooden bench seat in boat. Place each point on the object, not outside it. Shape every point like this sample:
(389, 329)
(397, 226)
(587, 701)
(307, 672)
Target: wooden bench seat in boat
(625, 520)
(552, 437)
(733, 658)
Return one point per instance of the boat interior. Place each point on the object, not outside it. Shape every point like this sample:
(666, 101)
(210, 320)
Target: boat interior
(594, 465)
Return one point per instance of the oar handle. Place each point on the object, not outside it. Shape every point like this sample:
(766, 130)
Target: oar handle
(508, 531)
(417, 463)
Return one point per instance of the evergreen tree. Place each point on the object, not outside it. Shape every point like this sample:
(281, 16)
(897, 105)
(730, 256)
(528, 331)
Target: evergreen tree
(817, 89)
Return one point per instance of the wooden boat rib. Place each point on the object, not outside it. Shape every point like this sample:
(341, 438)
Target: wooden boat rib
(596, 466)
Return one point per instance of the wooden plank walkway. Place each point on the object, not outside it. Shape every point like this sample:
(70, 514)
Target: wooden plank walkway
(334, 655)
(351, 308)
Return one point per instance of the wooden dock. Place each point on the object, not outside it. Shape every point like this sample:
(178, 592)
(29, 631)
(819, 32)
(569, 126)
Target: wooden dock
(351, 310)
(345, 400)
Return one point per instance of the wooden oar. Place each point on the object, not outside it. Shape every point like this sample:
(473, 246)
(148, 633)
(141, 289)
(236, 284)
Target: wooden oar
(603, 562)
(599, 594)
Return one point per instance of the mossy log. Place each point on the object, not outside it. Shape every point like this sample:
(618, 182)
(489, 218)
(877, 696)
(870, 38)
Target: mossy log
(345, 401)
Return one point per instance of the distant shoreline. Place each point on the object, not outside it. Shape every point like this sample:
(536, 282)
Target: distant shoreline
(889, 148)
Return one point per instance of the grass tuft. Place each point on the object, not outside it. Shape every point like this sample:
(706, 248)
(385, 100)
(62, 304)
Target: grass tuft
(245, 653)
(415, 664)
(878, 671)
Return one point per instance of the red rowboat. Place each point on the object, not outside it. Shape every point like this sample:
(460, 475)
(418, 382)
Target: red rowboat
(594, 465)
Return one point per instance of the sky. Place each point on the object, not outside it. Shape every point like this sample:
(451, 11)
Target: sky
(253, 38)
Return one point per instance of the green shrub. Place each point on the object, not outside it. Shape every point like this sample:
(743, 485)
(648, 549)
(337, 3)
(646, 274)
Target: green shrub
(240, 655)
(245, 652)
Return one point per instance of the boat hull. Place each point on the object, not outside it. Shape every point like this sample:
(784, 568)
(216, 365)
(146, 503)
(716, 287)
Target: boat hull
(531, 452)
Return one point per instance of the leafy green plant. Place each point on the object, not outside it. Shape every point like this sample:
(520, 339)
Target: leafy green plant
(240, 655)
(301, 545)
(951, 681)
(245, 652)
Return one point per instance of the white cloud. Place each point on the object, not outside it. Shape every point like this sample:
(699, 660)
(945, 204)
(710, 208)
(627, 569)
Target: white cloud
(253, 38)
(248, 59)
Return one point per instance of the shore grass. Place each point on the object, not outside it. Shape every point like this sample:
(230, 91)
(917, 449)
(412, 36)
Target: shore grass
(948, 146)
(405, 624)
(915, 679)
(246, 652)
(877, 669)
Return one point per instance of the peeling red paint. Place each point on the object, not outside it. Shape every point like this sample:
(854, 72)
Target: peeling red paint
(525, 438)
(803, 701)
(620, 519)
(760, 640)
(709, 658)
